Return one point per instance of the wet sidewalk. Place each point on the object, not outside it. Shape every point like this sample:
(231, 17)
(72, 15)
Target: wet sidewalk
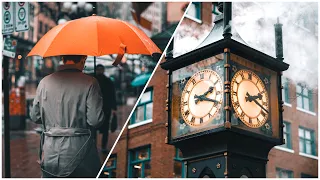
(24, 152)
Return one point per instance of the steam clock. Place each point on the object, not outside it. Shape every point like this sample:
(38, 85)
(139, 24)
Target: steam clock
(224, 104)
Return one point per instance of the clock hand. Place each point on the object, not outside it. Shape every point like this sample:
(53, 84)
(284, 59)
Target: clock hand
(209, 91)
(200, 97)
(260, 105)
(208, 99)
(250, 98)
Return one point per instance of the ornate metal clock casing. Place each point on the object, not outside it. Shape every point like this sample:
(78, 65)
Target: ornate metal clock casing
(209, 96)
(197, 97)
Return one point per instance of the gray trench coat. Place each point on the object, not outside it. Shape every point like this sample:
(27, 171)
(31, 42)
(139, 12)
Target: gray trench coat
(69, 104)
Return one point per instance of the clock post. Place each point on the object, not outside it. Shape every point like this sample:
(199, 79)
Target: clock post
(224, 104)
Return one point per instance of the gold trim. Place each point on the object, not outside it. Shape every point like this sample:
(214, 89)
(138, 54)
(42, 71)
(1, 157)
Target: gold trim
(167, 86)
(225, 153)
(227, 83)
(218, 166)
(226, 169)
(227, 108)
(227, 90)
(167, 108)
(166, 124)
(210, 157)
(227, 66)
(226, 50)
(227, 125)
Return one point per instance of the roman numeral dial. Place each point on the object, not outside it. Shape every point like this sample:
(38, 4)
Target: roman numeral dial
(201, 98)
(249, 98)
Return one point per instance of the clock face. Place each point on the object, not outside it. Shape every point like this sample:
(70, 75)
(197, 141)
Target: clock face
(249, 98)
(201, 98)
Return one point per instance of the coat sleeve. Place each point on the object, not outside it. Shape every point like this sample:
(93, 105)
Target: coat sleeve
(95, 115)
(35, 114)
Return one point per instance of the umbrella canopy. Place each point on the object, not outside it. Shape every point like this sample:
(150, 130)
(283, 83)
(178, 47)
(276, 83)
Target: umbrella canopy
(95, 36)
(140, 80)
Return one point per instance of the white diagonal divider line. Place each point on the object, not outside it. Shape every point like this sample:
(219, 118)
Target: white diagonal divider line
(154, 70)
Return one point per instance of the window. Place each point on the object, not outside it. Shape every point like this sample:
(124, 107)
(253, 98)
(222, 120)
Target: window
(304, 98)
(287, 135)
(139, 163)
(110, 169)
(306, 142)
(30, 34)
(307, 176)
(281, 173)
(46, 28)
(31, 11)
(143, 111)
(179, 168)
(40, 27)
(194, 11)
(285, 90)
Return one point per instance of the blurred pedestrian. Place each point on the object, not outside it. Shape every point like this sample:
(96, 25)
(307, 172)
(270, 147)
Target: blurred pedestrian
(109, 104)
(69, 105)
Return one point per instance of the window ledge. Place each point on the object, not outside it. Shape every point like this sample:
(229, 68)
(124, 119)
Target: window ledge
(306, 111)
(308, 155)
(139, 123)
(193, 18)
(284, 149)
(287, 104)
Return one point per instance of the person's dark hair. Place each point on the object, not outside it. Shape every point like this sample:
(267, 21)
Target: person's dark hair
(74, 58)
(100, 66)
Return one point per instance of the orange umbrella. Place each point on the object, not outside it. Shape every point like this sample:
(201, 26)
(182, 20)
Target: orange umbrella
(95, 36)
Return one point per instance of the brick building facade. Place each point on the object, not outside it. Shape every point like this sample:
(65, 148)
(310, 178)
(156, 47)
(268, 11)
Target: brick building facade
(142, 152)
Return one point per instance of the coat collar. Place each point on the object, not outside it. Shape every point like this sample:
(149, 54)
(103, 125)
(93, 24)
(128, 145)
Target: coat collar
(68, 67)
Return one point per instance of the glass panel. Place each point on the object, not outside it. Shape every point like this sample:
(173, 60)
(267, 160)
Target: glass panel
(136, 170)
(301, 146)
(145, 97)
(147, 170)
(299, 101)
(140, 114)
(143, 154)
(308, 135)
(177, 169)
(301, 132)
(285, 127)
(305, 91)
(306, 103)
(149, 110)
(110, 162)
(284, 174)
(299, 89)
(286, 140)
(192, 11)
(308, 147)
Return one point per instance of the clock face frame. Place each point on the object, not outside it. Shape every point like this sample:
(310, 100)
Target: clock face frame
(249, 98)
(201, 98)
